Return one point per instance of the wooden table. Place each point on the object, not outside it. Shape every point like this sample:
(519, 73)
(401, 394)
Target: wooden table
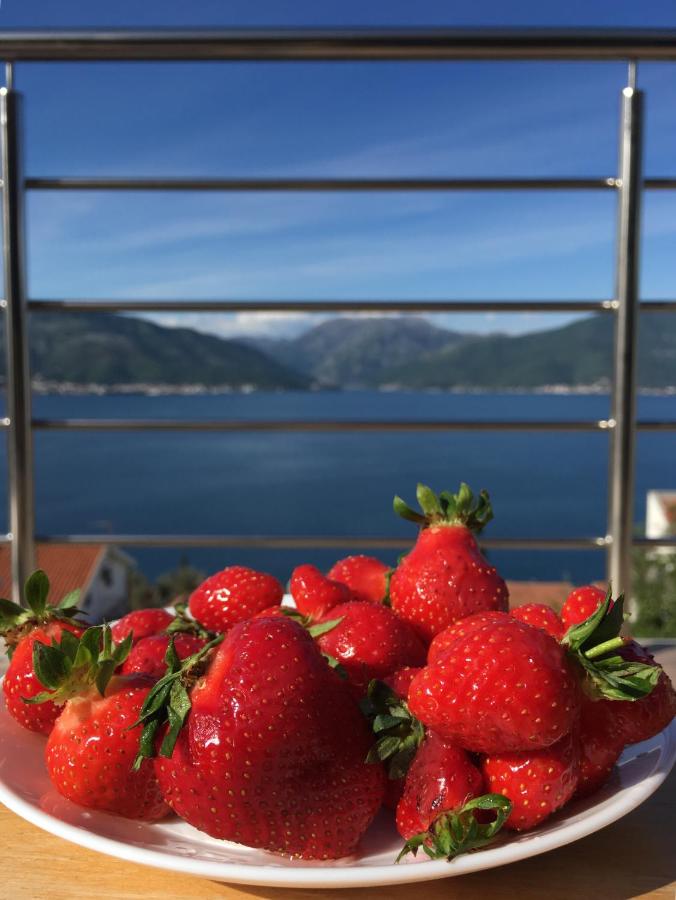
(635, 857)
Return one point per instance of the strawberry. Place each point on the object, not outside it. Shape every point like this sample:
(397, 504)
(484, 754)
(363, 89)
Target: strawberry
(266, 746)
(641, 719)
(233, 595)
(92, 746)
(39, 622)
(367, 577)
(446, 638)
(537, 782)
(581, 604)
(441, 778)
(445, 577)
(147, 656)
(141, 623)
(369, 641)
(314, 594)
(441, 794)
(600, 743)
(501, 688)
(540, 616)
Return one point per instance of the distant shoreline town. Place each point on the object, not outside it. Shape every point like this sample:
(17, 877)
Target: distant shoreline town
(66, 388)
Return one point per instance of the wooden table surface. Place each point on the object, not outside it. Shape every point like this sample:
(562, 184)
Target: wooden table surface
(635, 857)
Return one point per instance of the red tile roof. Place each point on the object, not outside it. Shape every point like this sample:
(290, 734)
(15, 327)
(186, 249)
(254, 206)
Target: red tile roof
(552, 593)
(68, 566)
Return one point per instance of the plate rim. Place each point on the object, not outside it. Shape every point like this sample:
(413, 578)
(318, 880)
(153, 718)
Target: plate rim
(346, 876)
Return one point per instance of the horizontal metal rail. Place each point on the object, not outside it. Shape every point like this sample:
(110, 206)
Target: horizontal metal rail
(323, 425)
(342, 45)
(339, 425)
(293, 542)
(323, 306)
(319, 184)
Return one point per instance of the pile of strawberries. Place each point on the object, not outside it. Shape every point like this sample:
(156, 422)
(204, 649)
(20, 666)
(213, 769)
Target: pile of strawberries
(288, 728)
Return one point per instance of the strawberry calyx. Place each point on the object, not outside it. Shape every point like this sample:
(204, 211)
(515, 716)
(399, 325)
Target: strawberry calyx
(399, 734)
(169, 700)
(458, 831)
(18, 621)
(185, 624)
(73, 665)
(463, 508)
(594, 643)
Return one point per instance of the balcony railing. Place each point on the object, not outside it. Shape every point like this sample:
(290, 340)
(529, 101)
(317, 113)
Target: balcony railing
(627, 183)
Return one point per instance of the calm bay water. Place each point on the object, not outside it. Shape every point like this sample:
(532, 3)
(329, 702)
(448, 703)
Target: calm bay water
(279, 483)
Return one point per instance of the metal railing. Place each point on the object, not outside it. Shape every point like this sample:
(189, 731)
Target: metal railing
(627, 183)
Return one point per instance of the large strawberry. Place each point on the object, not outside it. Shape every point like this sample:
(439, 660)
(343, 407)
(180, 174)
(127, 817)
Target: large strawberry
(369, 641)
(367, 577)
(445, 577)
(437, 810)
(92, 746)
(39, 622)
(233, 595)
(266, 746)
(507, 686)
(537, 782)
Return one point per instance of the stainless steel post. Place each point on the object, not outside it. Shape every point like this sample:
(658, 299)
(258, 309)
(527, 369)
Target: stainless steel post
(20, 444)
(622, 451)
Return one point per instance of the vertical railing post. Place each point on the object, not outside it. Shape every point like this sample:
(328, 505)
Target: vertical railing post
(622, 446)
(20, 448)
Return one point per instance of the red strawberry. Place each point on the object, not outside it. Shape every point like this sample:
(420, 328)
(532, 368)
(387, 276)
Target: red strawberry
(445, 577)
(504, 687)
(23, 627)
(233, 595)
(314, 594)
(21, 682)
(538, 782)
(441, 778)
(540, 616)
(369, 641)
(141, 623)
(464, 627)
(438, 807)
(367, 577)
(92, 746)
(400, 681)
(271, 753)
(147, 656)
(581, 604)
(600, 743)
(639, 720)
(270, 611)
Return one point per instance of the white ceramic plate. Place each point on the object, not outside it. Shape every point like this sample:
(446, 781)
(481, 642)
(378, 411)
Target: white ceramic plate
(175, 846)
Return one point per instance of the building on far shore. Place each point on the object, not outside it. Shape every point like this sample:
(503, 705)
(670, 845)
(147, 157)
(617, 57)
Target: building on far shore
(660, 516)
(100, 571)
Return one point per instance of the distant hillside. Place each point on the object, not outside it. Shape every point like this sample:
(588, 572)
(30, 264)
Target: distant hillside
(406, 352)
(577, 354)
(354, 352)
(104, 349)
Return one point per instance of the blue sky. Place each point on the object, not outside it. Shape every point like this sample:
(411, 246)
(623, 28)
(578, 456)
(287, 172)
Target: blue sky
(413, 119)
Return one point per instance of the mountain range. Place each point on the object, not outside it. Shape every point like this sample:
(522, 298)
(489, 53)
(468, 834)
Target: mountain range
(345, 352)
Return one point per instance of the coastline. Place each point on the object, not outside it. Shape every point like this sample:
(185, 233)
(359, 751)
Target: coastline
(67, 388)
